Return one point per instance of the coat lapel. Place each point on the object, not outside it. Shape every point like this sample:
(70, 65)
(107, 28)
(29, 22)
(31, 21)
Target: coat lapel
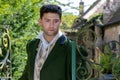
(33, 46)
(56, 50)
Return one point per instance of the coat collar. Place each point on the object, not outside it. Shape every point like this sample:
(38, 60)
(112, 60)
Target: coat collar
(62, 39)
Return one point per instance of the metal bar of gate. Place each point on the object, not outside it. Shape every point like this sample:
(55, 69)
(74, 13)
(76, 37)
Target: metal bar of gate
(73, 61)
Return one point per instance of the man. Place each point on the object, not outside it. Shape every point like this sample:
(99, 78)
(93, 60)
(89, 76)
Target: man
(49, 54)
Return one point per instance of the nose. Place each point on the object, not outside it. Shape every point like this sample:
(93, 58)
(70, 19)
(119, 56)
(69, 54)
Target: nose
(52, 24)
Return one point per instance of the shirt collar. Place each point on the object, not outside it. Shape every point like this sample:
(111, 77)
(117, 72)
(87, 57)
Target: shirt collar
(61, 39)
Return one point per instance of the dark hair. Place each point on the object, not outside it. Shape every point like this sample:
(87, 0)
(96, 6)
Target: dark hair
(50, 8)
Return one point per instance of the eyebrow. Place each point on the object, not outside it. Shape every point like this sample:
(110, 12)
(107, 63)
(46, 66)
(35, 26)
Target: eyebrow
(53, 18)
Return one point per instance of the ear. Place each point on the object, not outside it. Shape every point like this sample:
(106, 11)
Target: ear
(39, 21)
(60, 21)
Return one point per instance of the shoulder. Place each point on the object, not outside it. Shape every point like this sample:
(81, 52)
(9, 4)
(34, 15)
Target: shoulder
(63, 39)
(33, 41)
(32, 44)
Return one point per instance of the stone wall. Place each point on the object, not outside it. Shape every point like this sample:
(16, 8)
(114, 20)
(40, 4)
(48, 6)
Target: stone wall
(112, 32)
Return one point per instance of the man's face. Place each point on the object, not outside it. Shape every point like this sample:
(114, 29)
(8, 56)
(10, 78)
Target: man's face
(50, 23)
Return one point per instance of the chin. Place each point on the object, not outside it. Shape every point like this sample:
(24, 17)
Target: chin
(51, 35)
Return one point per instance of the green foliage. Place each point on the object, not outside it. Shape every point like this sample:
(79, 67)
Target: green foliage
(106, 63)
(95, 16)
(67, 20)
(21, 16)
(116, 69)
(107, 59)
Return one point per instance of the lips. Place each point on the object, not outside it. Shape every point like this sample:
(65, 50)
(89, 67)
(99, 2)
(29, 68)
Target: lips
(51, 30)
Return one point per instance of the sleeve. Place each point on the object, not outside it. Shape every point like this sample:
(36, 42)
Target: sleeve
(25, 73)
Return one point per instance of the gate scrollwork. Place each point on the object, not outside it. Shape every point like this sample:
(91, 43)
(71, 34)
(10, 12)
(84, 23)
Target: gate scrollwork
(5, 54)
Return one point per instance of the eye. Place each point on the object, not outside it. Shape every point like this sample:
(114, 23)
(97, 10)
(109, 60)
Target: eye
(56, 21)
(47, 20)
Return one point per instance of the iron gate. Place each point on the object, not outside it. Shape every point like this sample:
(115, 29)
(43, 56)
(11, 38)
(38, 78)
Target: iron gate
(5, 54)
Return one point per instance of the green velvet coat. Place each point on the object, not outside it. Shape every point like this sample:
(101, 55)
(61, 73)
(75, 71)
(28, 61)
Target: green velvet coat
(56, 67)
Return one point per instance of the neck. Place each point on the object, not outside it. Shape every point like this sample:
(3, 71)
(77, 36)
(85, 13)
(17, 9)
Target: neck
(48, 38)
